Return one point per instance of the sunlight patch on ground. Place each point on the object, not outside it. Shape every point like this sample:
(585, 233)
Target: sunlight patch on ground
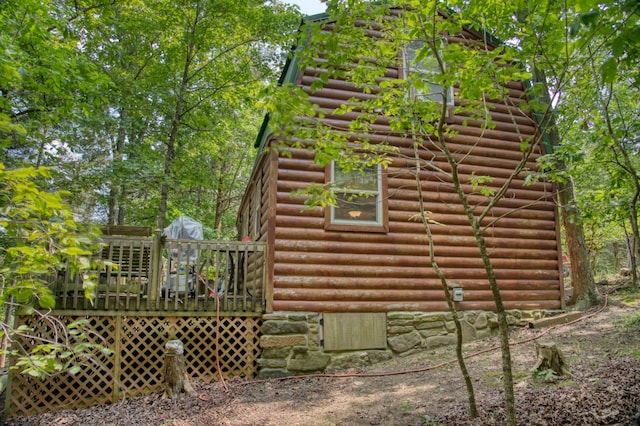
(333, 409)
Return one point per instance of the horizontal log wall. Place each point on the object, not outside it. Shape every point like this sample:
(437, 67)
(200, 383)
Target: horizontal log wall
(315, 269)
(258, 206)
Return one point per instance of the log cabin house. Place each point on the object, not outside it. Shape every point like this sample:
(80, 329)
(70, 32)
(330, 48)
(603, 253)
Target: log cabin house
(359, 281)
(319, 289)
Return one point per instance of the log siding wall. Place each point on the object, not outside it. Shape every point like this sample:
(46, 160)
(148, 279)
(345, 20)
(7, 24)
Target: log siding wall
(314, 269)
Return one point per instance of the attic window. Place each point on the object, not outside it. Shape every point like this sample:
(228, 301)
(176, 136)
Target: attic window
(425, 66)
(360, 199)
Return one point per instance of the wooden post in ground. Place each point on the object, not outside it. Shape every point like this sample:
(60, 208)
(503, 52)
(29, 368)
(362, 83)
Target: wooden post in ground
(176, 379)
(156, 268)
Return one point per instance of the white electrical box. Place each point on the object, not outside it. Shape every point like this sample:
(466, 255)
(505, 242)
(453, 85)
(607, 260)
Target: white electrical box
(458, 294)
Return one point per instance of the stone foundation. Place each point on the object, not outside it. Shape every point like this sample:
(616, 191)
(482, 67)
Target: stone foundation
(291, 343)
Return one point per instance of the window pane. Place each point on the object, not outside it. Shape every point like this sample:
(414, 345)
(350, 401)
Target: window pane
(356, 208)
(425, 70)
(358, 196)
(365, 180)
(428, 65)
(435, 92)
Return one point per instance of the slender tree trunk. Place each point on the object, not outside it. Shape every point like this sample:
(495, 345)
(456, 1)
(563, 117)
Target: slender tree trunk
(118, 155)
(621, 155)
(474, 222)
(471, 396)
(503, 325)
(219, 197)
(178, 113)
(170, 153)
(633, 215)
(164, 187)
(122, 210)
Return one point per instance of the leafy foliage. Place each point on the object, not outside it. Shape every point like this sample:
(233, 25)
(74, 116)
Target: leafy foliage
(128, 105)
(632, 322)
(71, 352)
(98, 92)
(39, 239)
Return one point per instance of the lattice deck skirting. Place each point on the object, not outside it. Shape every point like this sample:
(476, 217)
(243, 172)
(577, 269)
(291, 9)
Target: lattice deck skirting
(136, 365)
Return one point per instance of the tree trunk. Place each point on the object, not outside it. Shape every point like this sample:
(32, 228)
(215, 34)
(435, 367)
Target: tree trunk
(503, 326)
(634, 248)
(118, 155)
(471, 395)
(178, 114)
(623, 159)
(176, 379)
(549, 358)
(585, 293)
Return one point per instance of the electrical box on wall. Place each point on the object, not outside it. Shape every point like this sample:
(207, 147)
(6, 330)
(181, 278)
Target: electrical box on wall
(458, 294)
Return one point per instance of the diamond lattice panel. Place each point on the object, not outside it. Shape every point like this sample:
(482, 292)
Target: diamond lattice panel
(92, 385)
(140, 360)
(142, 354)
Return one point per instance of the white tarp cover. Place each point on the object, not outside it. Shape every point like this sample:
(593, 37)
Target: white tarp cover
(184, 228)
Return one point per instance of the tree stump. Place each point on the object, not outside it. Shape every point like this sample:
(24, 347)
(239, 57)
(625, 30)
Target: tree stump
(549, 358)
(176, 379)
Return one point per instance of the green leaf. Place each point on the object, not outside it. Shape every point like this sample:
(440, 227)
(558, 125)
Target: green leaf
(26, 310)
(75, 370)
(618, 47)
(24, 295)
(589, 18)
(76, 251)
(609, 70)
(47, 301)
(574, 29)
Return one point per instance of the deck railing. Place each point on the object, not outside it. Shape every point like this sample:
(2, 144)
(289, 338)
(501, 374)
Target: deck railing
(178, 275)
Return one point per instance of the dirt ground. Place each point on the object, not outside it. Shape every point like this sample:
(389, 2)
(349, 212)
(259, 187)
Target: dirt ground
(424, 388)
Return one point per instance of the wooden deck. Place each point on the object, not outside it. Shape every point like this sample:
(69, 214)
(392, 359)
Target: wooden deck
(141, 275)
(209, 294)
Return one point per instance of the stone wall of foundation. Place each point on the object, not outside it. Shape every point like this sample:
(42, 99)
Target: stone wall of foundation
(291, 341)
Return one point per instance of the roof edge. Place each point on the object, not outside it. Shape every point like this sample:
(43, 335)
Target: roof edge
(288, 75)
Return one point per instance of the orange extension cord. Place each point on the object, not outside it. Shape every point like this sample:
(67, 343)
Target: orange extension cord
(214, 293)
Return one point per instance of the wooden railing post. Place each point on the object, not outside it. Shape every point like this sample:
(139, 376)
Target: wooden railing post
(117, 359)
(156, 270)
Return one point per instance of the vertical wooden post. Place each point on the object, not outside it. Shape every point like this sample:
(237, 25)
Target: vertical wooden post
(156, 270)
(5, 338)
(117, 358)
(11, 322)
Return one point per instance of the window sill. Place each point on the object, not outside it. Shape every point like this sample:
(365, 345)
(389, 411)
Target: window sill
(380, 229)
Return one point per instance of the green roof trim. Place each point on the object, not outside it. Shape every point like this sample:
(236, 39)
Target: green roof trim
(289, 74)
(315, 18)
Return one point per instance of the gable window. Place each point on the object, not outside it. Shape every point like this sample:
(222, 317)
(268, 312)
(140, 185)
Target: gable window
(424, 68)
(360, 203)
